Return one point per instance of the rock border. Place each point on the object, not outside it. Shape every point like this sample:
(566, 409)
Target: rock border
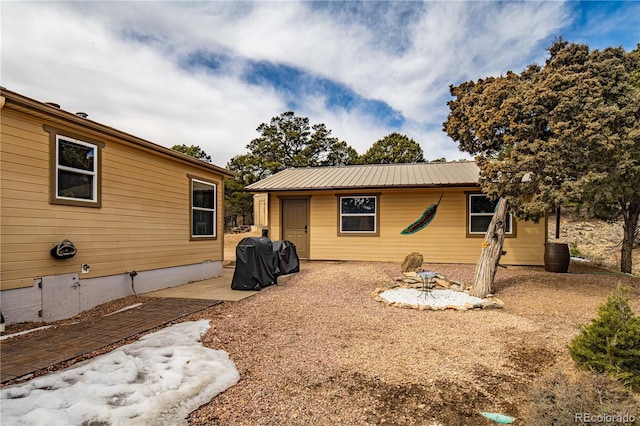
(489, 302)
(414, 281)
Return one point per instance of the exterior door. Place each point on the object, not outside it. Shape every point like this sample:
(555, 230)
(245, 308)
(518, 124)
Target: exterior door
(295, 224)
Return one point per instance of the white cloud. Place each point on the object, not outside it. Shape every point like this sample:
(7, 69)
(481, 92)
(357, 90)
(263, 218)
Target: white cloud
(120, 62)
(359, 131)
(457, 41)
(82, 66)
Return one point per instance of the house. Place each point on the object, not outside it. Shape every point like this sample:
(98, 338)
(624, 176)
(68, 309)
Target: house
(358, 213)
(260, 216)
(90, 213)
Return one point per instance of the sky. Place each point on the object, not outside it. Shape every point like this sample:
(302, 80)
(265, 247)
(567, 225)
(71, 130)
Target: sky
(208, 73)
(157, 380)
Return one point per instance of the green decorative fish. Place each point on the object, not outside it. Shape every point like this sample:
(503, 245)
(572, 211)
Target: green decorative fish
(499, 418)
(424, 220)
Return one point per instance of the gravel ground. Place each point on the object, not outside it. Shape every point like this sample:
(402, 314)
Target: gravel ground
(319, 350)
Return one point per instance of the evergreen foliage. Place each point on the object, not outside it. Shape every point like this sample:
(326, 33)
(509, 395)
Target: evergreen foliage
(611, 343)
(194, 151)
(290, 141)
(237, 202)
(565, 132)
(393, 148)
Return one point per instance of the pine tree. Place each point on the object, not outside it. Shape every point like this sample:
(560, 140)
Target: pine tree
(611, 343)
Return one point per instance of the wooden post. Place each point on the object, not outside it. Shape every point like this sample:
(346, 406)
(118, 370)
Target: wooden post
(491, 252)
(557, 223)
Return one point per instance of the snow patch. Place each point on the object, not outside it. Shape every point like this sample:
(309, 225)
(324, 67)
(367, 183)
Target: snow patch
(158, 379)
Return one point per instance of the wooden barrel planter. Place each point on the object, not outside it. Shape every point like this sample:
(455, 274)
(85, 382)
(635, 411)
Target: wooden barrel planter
(556, 257)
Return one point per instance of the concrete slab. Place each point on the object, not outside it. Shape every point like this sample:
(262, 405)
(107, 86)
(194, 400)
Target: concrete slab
(218, 288)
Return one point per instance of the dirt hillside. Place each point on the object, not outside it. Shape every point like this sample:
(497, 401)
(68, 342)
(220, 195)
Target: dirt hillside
(592, 239)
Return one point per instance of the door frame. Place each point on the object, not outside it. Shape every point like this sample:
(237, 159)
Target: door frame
(306, 198)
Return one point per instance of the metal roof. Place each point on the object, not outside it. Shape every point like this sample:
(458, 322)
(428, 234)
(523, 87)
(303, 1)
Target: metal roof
(370, 176)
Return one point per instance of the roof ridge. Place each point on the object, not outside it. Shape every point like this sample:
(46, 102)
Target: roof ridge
(380, 165)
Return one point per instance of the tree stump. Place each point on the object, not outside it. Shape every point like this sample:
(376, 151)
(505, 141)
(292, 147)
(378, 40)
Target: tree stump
(491, 252)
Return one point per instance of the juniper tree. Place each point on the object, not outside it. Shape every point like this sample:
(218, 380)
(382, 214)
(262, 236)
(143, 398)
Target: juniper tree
(566, 131)
(611, 342)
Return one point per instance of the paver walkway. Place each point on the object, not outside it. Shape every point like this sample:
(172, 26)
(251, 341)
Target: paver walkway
(25, 356)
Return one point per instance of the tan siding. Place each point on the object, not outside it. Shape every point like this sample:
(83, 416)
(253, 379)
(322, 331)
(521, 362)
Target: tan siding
(260, 214)
(444, 240)
(275, 230)
(143, 223)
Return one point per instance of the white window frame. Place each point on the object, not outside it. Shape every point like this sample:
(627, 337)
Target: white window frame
(93, 173)
(213, 210)
(374, 215)
(471, 215)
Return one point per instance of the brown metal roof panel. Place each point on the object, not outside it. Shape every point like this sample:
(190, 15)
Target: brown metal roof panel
(422, 174)
(290, 178)
(411, 175)
(370, 176)
(405, 177)
(437, 175)
(307, 177)
(350, 176)
(379, 175)
(321, 177)
(340, 174)
(469, 172)
(326, 176)
(362, 176)
(333, 176)
(357, 176)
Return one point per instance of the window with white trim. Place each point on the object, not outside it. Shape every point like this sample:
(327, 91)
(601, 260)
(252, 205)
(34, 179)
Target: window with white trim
(203, 209)
(481, 210)
(76, 174)
(358, 214)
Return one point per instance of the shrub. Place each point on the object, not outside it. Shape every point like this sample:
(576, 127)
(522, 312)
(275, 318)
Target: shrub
(611, 343)
(562, 398)
(575, 251)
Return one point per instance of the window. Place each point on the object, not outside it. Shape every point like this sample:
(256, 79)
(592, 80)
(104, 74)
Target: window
(75, 171)
(481, 211)
(203, 209)
(358, 214)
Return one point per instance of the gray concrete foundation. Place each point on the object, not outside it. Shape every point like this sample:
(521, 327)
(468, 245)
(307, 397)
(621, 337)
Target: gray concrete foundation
(63, 296)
